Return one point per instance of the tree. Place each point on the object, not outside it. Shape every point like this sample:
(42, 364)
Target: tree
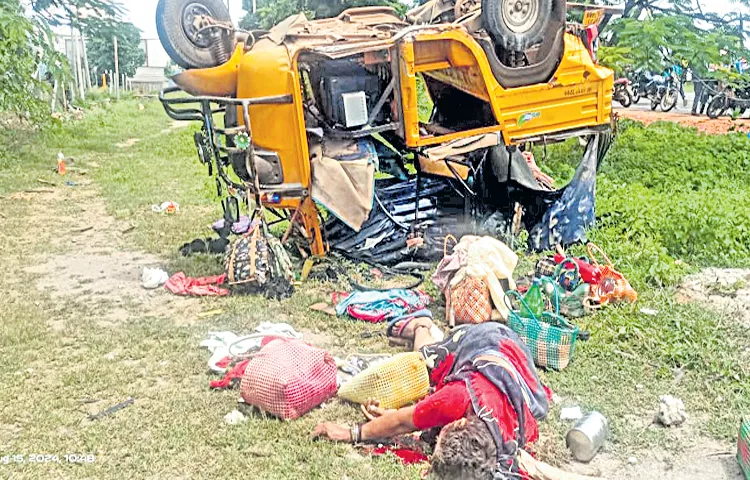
(25, 46)
(271, 12)
(100, 46)
(693, 9)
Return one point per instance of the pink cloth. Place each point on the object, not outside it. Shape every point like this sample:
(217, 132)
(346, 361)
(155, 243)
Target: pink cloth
(180, 284)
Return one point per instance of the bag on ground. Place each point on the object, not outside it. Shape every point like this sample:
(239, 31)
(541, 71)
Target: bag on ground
(288, 378)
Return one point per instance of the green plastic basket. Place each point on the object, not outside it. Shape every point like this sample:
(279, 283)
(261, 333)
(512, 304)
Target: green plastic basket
(743, 448)
(551, 339)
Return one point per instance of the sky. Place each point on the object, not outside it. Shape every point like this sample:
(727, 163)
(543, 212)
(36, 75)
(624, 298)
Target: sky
(142, 12)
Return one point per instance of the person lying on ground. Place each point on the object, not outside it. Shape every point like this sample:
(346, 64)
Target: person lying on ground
(486, 400)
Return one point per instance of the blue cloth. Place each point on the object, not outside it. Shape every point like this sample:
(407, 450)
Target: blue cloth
(567, 220)
(382, 305)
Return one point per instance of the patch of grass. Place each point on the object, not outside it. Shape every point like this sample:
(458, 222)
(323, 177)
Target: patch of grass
(668, 197)
(649, 192)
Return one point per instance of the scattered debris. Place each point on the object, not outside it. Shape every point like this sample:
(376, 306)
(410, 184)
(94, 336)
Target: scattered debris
(235, 417)
(671, 411)
(110, 356)
(112, 410)
(632, 460)
(83, 229)
(166, 207)
(45, 182)
(587, 436)
(650, 312)
(62, 164)
(571, 414)
(128, 229)
(153, 278)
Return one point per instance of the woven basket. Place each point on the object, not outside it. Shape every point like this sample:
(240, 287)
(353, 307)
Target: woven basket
(395, 383)
(743, 448)
(469, 302)
(551, 339)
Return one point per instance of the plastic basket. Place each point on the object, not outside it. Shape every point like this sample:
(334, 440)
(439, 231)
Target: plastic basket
(743, 448)
(551, 339)
(395, 383)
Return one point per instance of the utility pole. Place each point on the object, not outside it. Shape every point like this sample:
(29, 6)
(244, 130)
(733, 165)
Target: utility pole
(86, 63)
(117, 70)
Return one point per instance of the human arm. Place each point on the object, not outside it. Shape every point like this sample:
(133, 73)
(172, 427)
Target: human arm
(392, 423)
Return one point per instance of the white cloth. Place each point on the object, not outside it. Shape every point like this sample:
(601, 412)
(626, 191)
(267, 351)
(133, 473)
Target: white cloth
(220, 343)
(152, 278)
(482, 257)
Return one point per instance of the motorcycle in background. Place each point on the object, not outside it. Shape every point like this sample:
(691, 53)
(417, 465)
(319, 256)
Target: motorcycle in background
(622, 92)
(732, 100)
(659, 89)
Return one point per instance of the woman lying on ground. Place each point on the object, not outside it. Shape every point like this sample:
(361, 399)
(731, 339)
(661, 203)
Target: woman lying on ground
(486, 400)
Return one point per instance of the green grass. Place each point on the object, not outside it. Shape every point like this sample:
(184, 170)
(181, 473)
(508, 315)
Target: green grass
(665, 194)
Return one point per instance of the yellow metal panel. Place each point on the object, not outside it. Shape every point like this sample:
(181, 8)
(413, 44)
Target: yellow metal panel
(218, 81)
(578, 95)
(267, 70)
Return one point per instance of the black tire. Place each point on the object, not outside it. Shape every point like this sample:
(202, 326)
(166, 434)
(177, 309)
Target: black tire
(717, 107)
(654, 105)
(623, 96)
(516, 29)
(185, 51)
(669, 100)
(636, 95)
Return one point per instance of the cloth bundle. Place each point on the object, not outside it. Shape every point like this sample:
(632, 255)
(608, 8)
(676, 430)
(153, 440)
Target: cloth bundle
(378, 306)
(470, 278)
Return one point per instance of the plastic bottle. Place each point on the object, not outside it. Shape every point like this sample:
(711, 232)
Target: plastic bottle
(534, 301)
(61, 165)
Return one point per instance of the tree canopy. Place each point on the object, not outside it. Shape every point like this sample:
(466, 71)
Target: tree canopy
(100, 46)
(654, 34)
(271, 12)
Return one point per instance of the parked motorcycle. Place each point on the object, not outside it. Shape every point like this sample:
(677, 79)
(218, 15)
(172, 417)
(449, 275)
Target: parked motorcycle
(622, 92)
(732, 100)
(659, 89)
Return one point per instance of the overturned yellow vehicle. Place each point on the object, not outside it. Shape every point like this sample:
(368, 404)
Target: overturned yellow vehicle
(313, 110)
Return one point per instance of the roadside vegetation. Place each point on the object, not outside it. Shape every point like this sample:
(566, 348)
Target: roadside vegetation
(670, 202)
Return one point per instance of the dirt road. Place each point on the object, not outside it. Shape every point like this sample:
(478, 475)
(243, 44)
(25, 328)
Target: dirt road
(702, 123)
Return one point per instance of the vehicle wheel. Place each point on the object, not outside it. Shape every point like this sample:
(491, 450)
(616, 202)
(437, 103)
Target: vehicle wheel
(654, 104)
(636, 96)
(717, 107)
(175, 26)
(624, 99)
(516, 25)
(669, 101)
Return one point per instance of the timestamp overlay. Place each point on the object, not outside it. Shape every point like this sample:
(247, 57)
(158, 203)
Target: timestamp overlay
(46, 458)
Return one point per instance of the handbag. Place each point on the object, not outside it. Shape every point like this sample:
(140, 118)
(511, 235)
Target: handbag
(550, 338)
(288, 378)
(469, 302)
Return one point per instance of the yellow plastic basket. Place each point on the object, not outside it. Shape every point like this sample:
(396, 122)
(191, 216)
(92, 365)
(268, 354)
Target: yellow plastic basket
(395, 383)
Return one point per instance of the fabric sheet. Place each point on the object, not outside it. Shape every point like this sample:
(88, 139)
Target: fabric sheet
(343, 179)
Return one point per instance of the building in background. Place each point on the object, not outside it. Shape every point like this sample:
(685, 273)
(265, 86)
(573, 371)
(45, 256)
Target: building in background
(150, 77)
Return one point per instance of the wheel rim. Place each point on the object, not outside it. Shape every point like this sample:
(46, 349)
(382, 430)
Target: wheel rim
(520, 15)
(189, 14)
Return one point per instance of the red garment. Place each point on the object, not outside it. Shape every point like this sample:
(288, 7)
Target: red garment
(235, 373)
(451, 402)
(445, 406)
(589, 273)
(180, 284)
